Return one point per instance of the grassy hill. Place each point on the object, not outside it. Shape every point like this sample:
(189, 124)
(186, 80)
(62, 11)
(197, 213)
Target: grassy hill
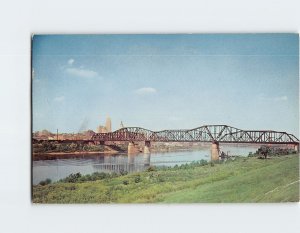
(242, 180)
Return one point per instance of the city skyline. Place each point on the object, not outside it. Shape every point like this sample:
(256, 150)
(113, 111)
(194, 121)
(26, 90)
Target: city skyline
(248, 81)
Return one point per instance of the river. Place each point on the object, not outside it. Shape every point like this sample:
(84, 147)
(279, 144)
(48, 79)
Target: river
(87, 164)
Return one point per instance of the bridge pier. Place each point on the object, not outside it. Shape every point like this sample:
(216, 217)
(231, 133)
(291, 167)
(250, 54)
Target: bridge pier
(215, 151)
(131, 148)
(296, 148)
(147, 147)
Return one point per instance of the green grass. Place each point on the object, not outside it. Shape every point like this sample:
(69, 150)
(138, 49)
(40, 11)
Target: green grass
(242, 180)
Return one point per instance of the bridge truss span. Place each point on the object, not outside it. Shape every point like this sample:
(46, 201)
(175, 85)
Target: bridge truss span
(206, 133)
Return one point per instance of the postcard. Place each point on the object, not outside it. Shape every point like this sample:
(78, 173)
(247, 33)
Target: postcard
(165, 118)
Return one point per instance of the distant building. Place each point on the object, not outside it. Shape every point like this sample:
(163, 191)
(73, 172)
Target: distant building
(106, 128)
(88, 134)
(108, 124)
(121, 125)
(61, 137)
(101, 129)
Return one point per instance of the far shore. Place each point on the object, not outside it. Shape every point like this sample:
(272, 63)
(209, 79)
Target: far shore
(76, 152)
(54, 155)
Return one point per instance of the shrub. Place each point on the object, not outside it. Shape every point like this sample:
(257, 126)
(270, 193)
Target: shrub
(114, 174)
(83, 179)
(151, 169)
(137, 179)
(72, 187)
(184, 166)
(125, 182)
(45, 182)
(88, 177)
(48, 181)
(42, 183)
(161, 179)
(123, 173)
(72, 178)
(99, 176)
(203, 162)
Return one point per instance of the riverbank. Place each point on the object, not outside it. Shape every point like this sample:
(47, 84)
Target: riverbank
(241, 180)
(66, 155)
(54, 150)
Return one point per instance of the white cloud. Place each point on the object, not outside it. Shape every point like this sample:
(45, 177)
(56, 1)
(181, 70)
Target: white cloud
(276, 98)
(71, 61)
(84, 73)
(35, 79)
(281, 98)
(59, 99)
(145, 90)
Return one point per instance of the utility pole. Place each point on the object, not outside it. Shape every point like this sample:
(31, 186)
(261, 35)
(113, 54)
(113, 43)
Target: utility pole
(57, 134)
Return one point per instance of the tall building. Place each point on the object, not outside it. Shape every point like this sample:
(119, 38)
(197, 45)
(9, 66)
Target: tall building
(101, 129)
(106, 128)
(108, 124)
(121, 125)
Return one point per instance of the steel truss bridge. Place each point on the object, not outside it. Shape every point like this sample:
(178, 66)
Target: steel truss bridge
(206, 133)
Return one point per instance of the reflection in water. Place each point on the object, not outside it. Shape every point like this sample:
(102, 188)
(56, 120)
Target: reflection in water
(147, 159)
(122, 163)
(56, 169)
(131, 158)
(131, 165)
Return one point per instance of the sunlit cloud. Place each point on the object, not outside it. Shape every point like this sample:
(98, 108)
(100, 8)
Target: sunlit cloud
(274, 98)
(71, 61)
(83, 73)
(281, 98)
(145, 91)
(79, 71)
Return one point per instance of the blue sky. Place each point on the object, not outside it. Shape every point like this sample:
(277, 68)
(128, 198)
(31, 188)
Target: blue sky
(249, 81)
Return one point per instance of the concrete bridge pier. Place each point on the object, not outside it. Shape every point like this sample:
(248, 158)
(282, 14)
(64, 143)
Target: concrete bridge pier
(215, 151)
(296, 148)
(131, 148)
(147, 147)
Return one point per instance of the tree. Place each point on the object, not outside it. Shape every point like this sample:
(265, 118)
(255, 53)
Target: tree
(264, 151)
